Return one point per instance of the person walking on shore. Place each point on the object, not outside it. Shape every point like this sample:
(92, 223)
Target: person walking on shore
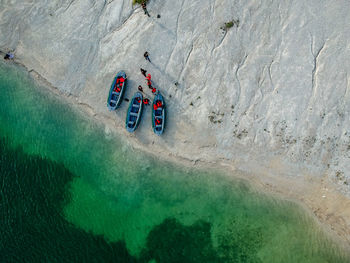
(146, 55)
(144, 7)
(140, 88)
(143, 71)
(149, 84)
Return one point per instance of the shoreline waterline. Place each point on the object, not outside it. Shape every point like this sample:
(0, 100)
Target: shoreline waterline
(254, 180)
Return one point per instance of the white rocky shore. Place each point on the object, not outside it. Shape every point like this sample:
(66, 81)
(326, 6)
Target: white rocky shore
(270, 94)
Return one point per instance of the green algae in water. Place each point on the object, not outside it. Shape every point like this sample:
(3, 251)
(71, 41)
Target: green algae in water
(160, 212)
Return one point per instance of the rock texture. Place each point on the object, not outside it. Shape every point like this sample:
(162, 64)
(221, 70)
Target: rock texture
(274, 86)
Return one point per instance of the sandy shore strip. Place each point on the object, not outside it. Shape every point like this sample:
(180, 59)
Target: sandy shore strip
(316, 193)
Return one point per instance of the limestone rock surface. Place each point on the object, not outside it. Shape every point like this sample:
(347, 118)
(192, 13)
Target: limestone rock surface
(274, 86)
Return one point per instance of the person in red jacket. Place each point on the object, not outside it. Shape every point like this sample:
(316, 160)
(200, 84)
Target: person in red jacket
(149, 83)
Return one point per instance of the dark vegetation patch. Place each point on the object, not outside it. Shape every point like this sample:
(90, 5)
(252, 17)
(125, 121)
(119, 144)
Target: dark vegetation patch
(172, 242)
(240, 243)
(216, 117)
(134, 2)
(230, 24)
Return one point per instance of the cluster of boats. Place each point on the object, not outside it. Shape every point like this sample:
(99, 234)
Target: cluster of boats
(134, 112)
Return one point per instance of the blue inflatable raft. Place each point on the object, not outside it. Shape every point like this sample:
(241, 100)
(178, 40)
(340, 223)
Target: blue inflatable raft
(117, 91)
(134, 112)
(158, 114)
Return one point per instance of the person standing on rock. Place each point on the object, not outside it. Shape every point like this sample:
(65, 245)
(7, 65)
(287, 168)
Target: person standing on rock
(144, 7)
(146, 55)
(143, 71)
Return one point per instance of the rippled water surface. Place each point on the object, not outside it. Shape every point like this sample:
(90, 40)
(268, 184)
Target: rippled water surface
(73, 192)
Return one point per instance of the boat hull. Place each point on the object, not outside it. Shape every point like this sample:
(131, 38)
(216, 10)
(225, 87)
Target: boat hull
(134, 113)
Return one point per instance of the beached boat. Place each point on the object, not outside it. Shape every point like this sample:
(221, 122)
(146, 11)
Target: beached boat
(117, 91)
(158, 114)
(134, 112)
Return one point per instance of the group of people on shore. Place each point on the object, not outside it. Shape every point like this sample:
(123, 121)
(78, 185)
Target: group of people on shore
(148, 78)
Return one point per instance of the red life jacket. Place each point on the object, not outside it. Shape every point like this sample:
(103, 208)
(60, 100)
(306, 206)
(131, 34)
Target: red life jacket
(154, 90)
(145, 101)
(148, 77)
(121, 79)
(155, 106)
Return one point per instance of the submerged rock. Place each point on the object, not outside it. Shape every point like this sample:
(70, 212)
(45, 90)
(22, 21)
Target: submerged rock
(272, 84)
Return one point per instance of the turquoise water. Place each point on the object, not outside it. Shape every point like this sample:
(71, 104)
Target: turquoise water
(73, 192)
